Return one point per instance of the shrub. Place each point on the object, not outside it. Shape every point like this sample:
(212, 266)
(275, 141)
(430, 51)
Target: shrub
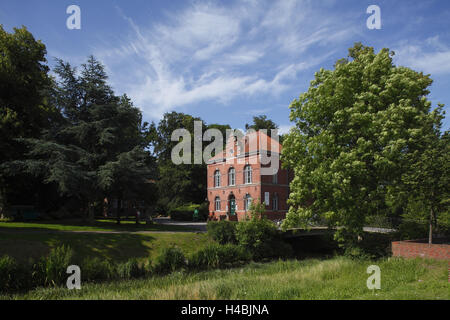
(222, 231)
(371, 246)
(8, 274)
(56, 263)
(186, 212)
(130, 269)
(97, 269)
(169, 260)
(215, 256)
(256, 235)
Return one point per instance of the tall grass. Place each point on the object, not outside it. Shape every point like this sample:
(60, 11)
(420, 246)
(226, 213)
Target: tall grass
(337, 278)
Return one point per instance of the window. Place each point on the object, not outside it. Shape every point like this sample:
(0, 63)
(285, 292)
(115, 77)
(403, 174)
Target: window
(217, 203)
(248, 174)
(217, 178)
(247, 202)
(231, 177)
(275, 178)
(275, 202)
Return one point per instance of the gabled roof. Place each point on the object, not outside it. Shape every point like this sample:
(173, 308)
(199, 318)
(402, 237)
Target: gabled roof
(253, 142)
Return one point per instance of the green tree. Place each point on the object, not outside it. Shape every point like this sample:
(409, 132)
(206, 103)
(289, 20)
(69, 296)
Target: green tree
(424, 188)
(177, 184)
(99, 149)
(355, 129)
(25, 105)
(261, 122)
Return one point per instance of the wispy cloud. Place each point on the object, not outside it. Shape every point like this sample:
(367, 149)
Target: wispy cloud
(432, 56)
(211, 52)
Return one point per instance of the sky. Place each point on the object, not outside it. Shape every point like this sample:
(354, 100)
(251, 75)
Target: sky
(227, 61)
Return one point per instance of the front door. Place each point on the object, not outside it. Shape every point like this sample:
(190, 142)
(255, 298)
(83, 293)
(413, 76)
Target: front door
(232, 206)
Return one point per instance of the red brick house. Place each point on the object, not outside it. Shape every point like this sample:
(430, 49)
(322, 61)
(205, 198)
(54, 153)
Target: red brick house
(236, 178)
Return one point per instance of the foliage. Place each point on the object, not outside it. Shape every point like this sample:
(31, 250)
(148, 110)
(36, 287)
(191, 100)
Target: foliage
(424, 189)
(98, 150)
(97, 269)
(56, 263)
(169, 260)
(186, 212)
(261, 236)
(356, 127)
(26, 109)
(217, 256)
(222, 231)
(130, 269)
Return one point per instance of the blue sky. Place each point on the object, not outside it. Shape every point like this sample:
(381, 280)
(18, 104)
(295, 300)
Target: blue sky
(231, 60)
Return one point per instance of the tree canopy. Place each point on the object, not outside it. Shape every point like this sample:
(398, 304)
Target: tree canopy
(356, 129)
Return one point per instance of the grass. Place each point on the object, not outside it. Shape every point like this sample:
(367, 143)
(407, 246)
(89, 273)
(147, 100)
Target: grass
(111, 246)
(97, 225)
(337, 278)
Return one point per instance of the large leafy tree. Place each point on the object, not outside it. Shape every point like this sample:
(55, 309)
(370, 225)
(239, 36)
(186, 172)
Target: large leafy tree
(177, 184)
(26, 107)
(99, 149)
(355, 129)
(183, 183)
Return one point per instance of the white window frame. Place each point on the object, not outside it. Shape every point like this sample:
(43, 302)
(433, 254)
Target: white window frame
(217, 203)
(247, 202)
(231, 176)
(248, 175)
(217, 178)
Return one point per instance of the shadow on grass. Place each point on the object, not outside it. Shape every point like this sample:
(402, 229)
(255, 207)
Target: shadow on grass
(117, 247)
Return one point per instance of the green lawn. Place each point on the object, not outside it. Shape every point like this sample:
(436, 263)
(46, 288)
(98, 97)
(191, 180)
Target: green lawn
(337, 278)
(23, 245)
(96, 225)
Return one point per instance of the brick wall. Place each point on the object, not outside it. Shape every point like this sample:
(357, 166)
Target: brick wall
(413, 249)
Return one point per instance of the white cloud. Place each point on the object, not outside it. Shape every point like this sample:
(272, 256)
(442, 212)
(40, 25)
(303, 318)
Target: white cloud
(433, 56)
(209, 52)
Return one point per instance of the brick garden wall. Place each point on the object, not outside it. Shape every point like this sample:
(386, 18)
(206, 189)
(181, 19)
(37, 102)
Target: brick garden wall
(413, 249)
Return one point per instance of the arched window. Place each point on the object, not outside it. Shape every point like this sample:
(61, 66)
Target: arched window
(247, 202)
(275, 202)
(217, 178)
(217, 203)
(247, 174)
(231, 177)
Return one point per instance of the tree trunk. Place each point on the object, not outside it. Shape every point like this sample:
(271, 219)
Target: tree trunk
(430, 234)
(119, 209)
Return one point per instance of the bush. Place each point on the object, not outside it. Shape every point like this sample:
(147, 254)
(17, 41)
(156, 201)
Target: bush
(256, 236)
(371, 246)
(216, 256)
(186, 212)
(9, 274)
(130, 269)
(222, 231)
(97, 269)
(169, 260)
(55, 265)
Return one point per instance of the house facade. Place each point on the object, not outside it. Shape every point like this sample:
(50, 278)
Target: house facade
(239, 176)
